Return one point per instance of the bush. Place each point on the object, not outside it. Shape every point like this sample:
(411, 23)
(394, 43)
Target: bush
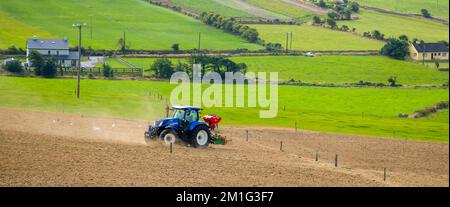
(230, 25)
(13, 66)
(107, 71)
(395, 48)
(273, 47)
(317, 20)
(393, 81)
(425, 13)
(49, 68)
(162, 68)
(176, 47)
(331, 23)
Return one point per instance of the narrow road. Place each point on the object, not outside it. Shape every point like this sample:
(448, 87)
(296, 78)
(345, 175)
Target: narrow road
(248, 8)
(308, 6)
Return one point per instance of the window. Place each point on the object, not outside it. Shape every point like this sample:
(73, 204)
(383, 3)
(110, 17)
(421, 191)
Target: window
(191, 116)
(444, 54)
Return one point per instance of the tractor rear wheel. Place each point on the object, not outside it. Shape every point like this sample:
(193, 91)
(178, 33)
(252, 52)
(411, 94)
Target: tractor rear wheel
(169, 136)
(201, 137)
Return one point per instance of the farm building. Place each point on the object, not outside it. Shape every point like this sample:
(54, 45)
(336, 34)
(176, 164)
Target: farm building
(53, 48)
(429, 51)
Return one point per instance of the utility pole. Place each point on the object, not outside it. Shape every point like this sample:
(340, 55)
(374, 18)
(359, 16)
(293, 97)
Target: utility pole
(287, 42)
(199, 41)
(79, 26)
(124, 46)
(291, 41)
(90, 26)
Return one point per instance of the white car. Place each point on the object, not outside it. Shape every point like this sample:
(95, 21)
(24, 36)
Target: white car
(310, 54)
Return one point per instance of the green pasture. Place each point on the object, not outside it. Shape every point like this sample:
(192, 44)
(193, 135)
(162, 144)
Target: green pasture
(337, 69)
(345, 69)
(146, 26)
(394, 26)
(368, 111)
(438, 8)
(308, 37)
(284, 8)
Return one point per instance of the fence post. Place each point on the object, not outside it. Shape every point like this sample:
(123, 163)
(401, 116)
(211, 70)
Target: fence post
(295, 127)
(317, 156)
(281, 146)
(167, 111)
(247, 134)
(336, 161)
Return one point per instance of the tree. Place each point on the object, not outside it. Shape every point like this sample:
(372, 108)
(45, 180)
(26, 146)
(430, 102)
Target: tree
(393, 81)
(425, 13)
(317, 20)
(395, 48)
(13, 66)
(345, 28)
(273, 47)
(322, 4)
(162, 68)
(333, 15)
(377, 35)
(353, 6)
(404, 38)
(48, 70)
(176, 47)
(37, 61)
(331, 23)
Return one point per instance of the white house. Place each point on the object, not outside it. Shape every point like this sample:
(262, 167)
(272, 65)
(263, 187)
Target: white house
(53, 48)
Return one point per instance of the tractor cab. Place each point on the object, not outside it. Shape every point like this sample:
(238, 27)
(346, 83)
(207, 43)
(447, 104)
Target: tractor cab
(186, 114)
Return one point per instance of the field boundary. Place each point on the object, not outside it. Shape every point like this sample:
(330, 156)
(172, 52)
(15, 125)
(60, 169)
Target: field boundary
(435, 19)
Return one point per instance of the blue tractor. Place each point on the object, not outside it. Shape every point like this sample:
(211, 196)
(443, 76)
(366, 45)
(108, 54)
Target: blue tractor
(184, 125)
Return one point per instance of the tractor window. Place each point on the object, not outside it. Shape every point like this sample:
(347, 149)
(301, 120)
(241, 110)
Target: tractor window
(178, 114)
(191, 116)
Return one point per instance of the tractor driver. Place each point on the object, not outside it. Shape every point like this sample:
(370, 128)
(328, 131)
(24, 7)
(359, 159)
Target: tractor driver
(191, 116)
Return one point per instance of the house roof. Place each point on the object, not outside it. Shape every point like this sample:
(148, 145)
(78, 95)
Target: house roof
(48, 44)
(431, 47)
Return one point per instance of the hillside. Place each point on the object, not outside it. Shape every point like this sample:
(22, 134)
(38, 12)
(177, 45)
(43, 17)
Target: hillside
(308, 37)
(437, 8)
(147, 26)
(395, 25)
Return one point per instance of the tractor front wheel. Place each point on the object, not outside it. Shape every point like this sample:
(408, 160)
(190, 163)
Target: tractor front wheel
(169, 136)
(201, 137)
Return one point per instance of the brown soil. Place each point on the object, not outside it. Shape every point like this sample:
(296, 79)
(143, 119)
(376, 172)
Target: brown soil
(56, 149)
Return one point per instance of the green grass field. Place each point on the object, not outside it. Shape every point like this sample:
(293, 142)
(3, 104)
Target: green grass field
(328, 69)
(370, 111)
(282, 7)
(211, 6)
(224, 8)
(394, 26)
(147, 26)
(438, 8)
(315, 38)
(345, 69)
